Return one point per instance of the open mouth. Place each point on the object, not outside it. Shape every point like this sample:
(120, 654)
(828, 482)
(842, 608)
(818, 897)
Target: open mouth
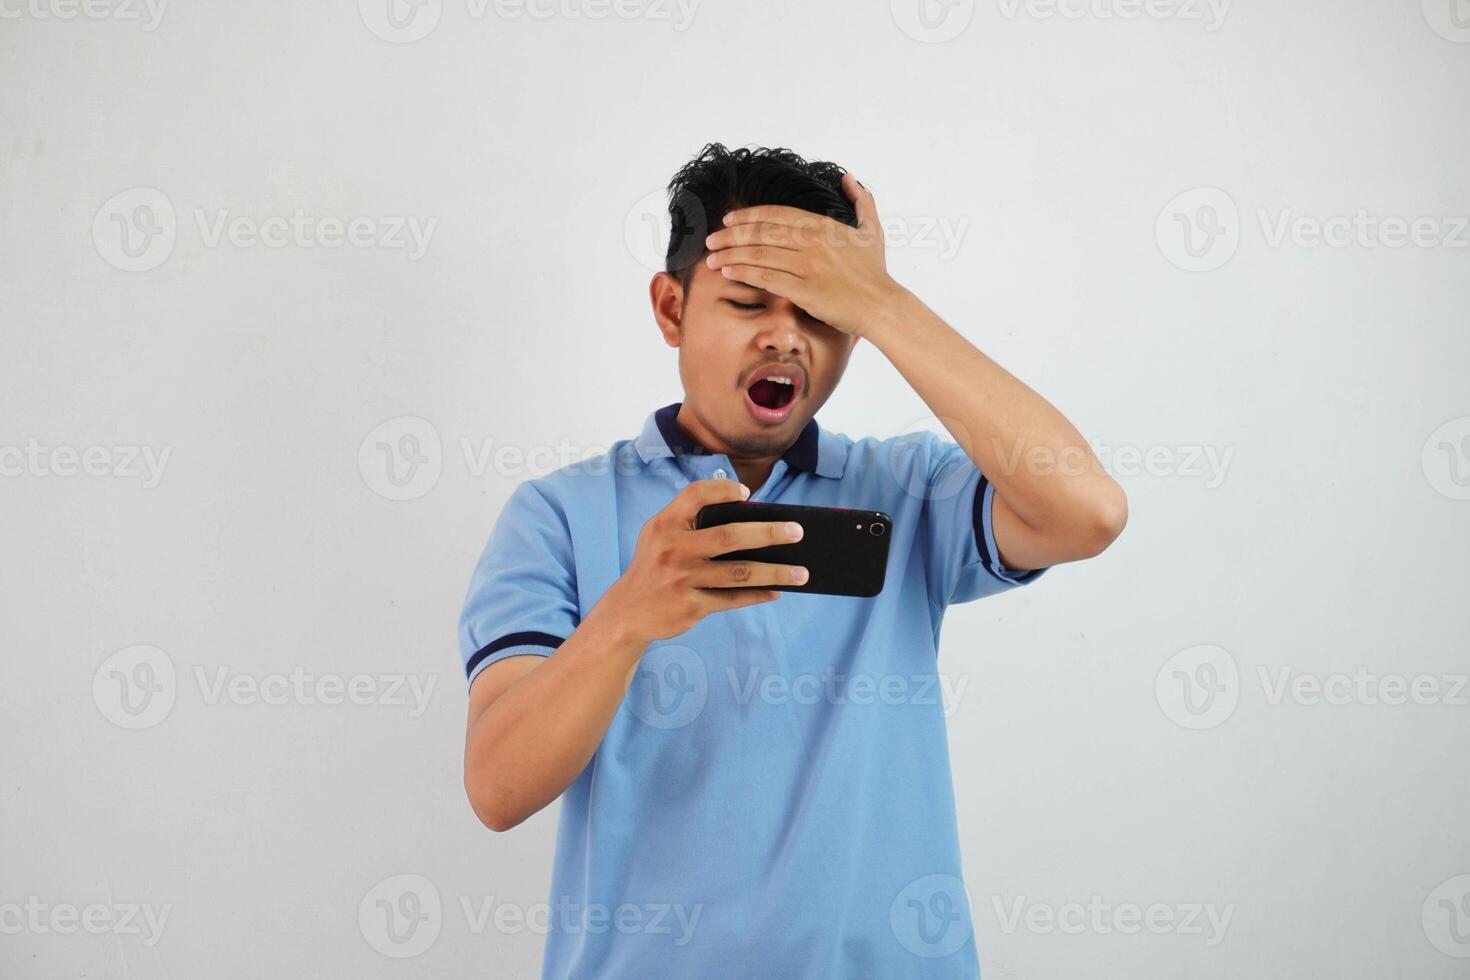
(773, 392)
(771, 395)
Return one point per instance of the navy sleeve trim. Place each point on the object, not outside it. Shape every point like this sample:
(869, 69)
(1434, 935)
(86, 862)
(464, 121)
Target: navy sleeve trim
(527, 638)
(980, 524)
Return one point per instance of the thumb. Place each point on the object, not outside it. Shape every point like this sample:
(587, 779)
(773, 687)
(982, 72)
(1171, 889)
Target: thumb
(862, 201)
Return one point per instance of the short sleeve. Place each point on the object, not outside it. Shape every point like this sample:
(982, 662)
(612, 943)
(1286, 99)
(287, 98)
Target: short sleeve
(522, 597)
(958, 533)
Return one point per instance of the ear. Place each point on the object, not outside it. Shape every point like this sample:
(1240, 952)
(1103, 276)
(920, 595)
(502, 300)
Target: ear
(667, 296)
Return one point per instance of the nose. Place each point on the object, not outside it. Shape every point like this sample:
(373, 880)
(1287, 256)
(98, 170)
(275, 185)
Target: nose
(781, 330)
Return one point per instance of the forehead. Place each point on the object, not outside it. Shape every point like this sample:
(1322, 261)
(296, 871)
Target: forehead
(706, 278)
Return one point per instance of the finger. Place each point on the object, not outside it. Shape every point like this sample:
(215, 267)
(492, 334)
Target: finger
(758, 233)
(862, 201)
(719, 600)
(746, 574)
(779, 214)
(783, 284)
(686, 503)
(764, 256)
(740, 535)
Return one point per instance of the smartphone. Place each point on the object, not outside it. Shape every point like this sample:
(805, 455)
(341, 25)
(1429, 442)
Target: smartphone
(844, 551)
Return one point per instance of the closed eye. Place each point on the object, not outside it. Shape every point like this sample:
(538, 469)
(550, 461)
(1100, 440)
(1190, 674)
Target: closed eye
(745, 306)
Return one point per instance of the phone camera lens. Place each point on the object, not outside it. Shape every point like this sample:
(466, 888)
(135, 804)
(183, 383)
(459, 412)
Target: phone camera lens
(876, 530)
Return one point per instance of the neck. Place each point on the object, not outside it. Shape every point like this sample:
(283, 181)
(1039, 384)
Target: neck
(752, 470)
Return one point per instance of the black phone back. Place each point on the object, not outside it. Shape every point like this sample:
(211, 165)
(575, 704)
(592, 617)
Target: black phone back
(845, 551)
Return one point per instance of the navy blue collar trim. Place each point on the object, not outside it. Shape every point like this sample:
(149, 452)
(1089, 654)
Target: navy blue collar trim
(801, 456)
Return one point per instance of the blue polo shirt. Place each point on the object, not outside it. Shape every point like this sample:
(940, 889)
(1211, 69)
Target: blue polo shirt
(773, 797)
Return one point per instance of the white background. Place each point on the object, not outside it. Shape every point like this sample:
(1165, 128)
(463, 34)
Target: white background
(1333, 540)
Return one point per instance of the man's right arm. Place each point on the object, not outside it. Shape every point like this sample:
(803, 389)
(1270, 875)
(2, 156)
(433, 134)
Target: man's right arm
(536, 721)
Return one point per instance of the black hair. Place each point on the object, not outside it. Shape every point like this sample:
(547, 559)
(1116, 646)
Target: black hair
(720, 180)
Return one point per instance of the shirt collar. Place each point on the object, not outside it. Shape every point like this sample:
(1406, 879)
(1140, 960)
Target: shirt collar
(815, 450)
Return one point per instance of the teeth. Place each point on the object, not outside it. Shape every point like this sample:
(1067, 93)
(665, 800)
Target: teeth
(779, 379)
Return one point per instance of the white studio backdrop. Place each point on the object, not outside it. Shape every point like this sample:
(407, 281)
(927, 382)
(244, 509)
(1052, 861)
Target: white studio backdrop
(293, 295)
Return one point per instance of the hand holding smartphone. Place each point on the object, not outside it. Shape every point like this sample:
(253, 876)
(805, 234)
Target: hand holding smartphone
(845, 551)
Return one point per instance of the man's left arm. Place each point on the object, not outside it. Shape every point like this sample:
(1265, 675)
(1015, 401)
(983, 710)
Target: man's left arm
(1054, 501)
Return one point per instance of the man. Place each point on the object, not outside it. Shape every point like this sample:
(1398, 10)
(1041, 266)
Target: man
(756, 783)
